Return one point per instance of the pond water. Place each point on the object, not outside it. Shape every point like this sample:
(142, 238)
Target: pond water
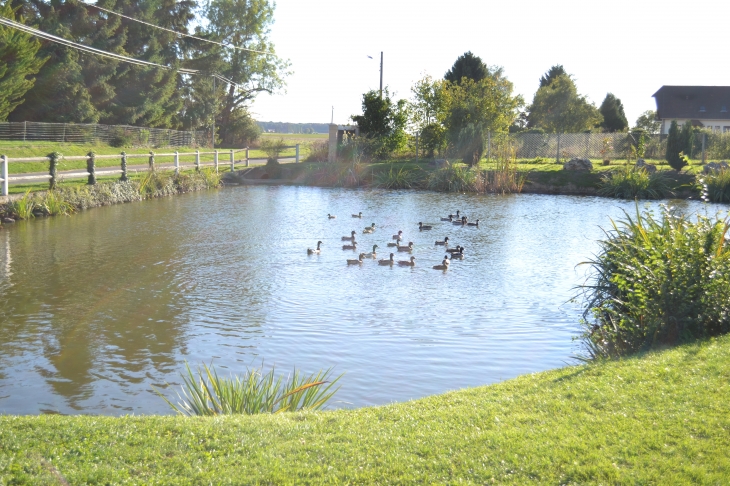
(97, 308)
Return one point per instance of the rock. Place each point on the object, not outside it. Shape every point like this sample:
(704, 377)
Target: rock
(440, 163)
(650, 168)
(715, 167)
(578, 164)
(8, 220)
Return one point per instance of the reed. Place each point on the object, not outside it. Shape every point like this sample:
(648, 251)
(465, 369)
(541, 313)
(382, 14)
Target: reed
(715, 187)
(400, 179)
(23, 208)
(657, 282)
(254, 392)
(53, 203)
(454, 178)
(629, 182)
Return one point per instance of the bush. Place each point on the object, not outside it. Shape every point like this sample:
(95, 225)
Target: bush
(397, 179)
(318, 151)
(454, 178)
(121, 138)
(273, 149)
(715, 187)
(657, 282)
(634, 183)
(674, 147)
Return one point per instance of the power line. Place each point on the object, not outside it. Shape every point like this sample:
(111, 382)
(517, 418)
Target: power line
(81, 47)
(230, 46)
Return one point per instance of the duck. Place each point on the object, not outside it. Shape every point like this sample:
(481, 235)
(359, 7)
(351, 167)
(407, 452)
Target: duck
(372, 254)
(461, 221)
(406, 248)
(399, 236)
(408, 263)
(393, 243)
(369, 229)
(444, 264)
(422, 227)
(474, 224)
(358, 261)
(443, 243)
(331, 216)
(451, 217)
(350, 247)
(316, 251)
(459, 255)
(351, 237)
(388, 261)
(358, 215)
(455, 250)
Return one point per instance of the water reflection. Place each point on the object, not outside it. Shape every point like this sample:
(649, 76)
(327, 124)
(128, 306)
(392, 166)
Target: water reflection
(98, 307)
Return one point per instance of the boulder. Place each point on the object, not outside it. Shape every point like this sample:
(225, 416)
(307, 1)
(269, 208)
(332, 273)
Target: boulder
(8, 220)
(650, 168)
(578, 164)
(440, 163)
(714, 167)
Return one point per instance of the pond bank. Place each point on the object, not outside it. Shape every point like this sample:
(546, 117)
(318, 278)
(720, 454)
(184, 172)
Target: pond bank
(660, 418)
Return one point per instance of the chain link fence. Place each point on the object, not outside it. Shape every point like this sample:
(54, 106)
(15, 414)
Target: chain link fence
(602, 146)
(115, 135)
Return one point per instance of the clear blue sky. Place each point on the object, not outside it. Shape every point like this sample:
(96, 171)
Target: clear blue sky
(629, 48)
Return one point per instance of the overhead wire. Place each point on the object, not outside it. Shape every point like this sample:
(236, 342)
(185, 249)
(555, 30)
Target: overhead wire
(230, 46)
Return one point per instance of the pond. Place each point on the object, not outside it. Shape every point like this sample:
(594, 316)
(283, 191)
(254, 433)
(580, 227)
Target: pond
(97, 308)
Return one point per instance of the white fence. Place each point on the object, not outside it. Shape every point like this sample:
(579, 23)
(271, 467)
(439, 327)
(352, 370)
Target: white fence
(109, 134)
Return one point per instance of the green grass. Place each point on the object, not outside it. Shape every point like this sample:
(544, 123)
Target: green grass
(661, 418)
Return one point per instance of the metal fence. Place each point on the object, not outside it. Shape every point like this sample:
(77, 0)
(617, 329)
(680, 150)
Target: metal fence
(109, 134)
(612, 146)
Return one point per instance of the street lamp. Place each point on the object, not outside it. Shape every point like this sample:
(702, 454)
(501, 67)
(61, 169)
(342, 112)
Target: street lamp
(381, 73)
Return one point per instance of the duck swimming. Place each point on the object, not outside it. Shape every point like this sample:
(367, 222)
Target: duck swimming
(389, 261)
(372, 254)
(351, 237)
(443, 243)
(369, 229)
(459, 255)
(358, 261)
(455, 250)
(315, 251)
(358, 215)
(350, 247)
(473, 224)
(444, 265)
(408, 247)
(399, 236)
(331, 216)
(422, 227)
(408, 263)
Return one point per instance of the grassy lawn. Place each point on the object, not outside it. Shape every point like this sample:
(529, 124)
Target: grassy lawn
(661, 418)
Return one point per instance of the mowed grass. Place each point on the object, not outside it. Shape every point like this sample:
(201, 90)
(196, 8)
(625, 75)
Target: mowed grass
(660, 418)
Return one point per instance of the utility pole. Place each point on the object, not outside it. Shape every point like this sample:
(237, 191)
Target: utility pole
(213, 146)
(381, 75)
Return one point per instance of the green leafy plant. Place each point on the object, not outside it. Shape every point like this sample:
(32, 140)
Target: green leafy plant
(53, 203)
(273, 149)
(715, 186)
(396, 179)
(657, 282)
(254, 392)
(454, 178)
(630, 182)
(23, 207)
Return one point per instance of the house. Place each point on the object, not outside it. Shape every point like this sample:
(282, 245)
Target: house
(704, 106)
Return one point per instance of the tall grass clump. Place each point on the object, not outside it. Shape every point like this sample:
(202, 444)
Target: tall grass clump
(657, 282)
(254, 392)
(337, 174)
(23, 208)
(53, 203)
(715, 186)
(634, 183)
(504, 179)
(396, 179)
(453, 178)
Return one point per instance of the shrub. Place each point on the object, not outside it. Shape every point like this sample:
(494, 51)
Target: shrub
(318, 151)
(121, 138)
(273, 149)
(454, 178)
(715, 187)
(674, 147)
(634, 183)
(657, 282)
(252, 393)
(400, 179)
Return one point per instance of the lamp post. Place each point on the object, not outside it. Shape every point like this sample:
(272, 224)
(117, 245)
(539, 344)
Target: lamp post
(381, 73)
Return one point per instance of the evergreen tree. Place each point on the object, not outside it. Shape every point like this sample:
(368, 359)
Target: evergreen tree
(674, 147)
(686, 137)
(614, 118)
(552, 73)
(467, 66)
(18, 61)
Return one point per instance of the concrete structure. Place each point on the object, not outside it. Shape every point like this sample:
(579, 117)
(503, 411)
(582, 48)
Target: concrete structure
(703, 106)
(337, 134)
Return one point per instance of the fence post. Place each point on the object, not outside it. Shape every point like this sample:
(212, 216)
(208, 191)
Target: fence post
(152, 161)
(557, 155)
(246, 156)
(197, 160)
(177, 163)
(5, 174)
(91, 168)
(25, 129)
(489, 145)
(53, 169)
(215, 161)
(297, 159)
(124, 167)
(63, 139)
(232, 162)
(704, 154)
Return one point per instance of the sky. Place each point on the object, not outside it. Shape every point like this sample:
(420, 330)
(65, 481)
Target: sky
(628, 48)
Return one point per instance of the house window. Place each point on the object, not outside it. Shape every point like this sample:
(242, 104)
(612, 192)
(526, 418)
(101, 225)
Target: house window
(702, 109)
(725, 129)
(723, 109)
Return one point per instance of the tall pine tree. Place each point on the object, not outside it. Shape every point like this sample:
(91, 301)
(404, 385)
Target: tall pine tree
(614, 118)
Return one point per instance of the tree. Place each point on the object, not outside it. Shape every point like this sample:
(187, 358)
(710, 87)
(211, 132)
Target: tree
(614, 118)
(467, 66)
(558, 107)
(647, 121)
(474, 108)
(686, 137)
(427, 113)
(552, 73)
(383, 122)
(674, 147)
(18, 61)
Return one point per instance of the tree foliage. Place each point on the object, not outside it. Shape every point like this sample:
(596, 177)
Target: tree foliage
(674, 147)
(614, 118)
(552, 73)
(18, 61)
(383, 122)
(467, 66)
(648, 122)
(558, 108)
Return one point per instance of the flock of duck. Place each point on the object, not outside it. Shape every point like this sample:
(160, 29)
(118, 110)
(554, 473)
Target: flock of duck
(456, 253)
